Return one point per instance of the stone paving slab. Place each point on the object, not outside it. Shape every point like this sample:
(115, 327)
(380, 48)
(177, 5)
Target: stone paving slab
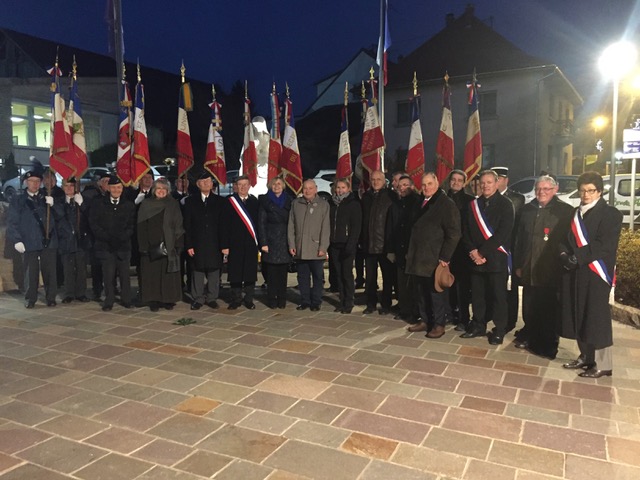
(288, 395)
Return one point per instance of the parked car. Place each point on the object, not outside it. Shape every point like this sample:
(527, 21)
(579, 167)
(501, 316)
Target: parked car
(227, 188)
(526, 186)
(324, 179)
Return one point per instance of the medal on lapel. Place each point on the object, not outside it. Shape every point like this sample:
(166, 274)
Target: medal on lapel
(546, 234)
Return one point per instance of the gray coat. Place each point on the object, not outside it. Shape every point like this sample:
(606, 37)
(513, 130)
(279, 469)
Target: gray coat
(309, 228)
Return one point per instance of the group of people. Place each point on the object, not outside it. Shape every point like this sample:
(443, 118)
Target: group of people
(441, 252)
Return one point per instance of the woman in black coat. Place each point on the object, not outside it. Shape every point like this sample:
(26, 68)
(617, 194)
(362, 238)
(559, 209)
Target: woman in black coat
(589, 256)
(346, 221)
(273, 218)
(160, 220)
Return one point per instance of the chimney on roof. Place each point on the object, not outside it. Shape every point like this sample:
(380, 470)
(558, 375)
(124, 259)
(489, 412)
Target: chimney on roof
(448, 19)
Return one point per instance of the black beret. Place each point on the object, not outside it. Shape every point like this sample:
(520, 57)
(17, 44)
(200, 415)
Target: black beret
(114, 180)
(204, 175)
(36, 173)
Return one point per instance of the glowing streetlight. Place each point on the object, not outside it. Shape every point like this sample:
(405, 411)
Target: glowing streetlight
(615, 62)
(599, 122)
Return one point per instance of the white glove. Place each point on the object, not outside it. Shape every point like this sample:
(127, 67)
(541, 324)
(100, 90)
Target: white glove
(139, 198)
(182, 200)
(19, 247)
(78, 199)
(49, 200)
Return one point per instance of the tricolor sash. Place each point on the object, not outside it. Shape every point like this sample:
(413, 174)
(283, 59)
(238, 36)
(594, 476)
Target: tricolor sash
(244, 216)
(597, 266)
(486, 230)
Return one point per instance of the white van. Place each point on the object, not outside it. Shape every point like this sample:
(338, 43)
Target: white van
(622, 196)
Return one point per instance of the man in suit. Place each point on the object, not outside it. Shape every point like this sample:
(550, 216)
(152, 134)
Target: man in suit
(517, 199)
(203, 226)
(486, 237)
(31, 223)
(91, 194)
(112, 223)
(240, 244)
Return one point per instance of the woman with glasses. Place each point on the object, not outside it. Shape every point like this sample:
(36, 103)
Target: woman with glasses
(589, 255)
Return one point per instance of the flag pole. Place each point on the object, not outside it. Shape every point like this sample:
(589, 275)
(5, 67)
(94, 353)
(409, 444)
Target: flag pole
(118, 41)
(381, 78)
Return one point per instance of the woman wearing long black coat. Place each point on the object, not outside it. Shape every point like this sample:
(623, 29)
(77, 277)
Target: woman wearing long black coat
(160, 220)
(273, 218)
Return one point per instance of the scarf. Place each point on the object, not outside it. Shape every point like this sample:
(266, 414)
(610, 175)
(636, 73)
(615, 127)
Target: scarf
(277, 201)
(337, 199)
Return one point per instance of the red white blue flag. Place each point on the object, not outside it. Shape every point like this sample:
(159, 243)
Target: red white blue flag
(372, 137)
(343, 168)
(214, 161)
(123, 162)
(415, 156)
(61, 155)
(141, 162)
(444, 147)
(249, 152)
(473, 145)
(275, 144)
(184, 149)
(76, 124)
(290, 162)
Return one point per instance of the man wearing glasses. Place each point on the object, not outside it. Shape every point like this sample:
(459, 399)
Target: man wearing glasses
(544, 224)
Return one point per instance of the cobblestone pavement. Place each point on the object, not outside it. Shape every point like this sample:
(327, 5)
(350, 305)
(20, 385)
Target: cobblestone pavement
(284, 395)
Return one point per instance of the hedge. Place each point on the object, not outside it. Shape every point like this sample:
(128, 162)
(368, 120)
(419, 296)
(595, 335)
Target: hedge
(628, 269)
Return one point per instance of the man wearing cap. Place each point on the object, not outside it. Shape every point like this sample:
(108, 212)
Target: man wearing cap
(486, 234)
(112, 223)
(517, 199)
(31, 223)
(203, 230)
(434, 236)
(74, 242)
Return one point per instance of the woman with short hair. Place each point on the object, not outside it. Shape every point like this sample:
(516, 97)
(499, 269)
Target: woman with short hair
(160, 240)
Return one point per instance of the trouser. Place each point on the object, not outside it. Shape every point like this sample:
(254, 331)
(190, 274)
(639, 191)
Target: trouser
(310, 270)
(431, 304)
(371, 263)
(512, 303)
(96, 275)
(112, 265)
(406, 290)
(74, 266)
(489, 293)
(341, 262)
(277, 283)
(602, 357)
(40, 261)
(359, 265)
(186, 271)
(238, 288)
(201, 293)
(540, 310)
(460, 296)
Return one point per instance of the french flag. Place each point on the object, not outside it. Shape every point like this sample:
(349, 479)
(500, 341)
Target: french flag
(415, 155)
(444, 147)
(275, 144)
(61, 152)
(343, 168)
(473, 145)
(372, 137)
(77, 130)
(184, 149)
(290, 162)
(123, 162)
(214, 160)
(141, 158)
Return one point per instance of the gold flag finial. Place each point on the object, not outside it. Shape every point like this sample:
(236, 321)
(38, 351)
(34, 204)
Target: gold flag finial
(346, 93)
(138, 72)
(182, 71)
(286, 85)
(371, 72)
(446, 77)
(415, 84)
(74, 68)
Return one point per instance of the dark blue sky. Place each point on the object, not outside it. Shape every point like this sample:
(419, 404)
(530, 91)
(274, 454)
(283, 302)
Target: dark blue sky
(302, 41)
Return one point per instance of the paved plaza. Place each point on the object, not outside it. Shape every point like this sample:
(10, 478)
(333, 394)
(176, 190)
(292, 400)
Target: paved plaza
(288, 395)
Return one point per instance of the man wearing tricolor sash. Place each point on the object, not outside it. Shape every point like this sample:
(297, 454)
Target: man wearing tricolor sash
(487, 237)
(589, 256)
(240, 243)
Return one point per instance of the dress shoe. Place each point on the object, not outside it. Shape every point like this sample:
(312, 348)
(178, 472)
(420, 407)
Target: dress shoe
(436, 332)
(196, 306)
(107, 308)
(249, 305)
(154, 307)
(126, 304)
(418, 327)
(212, 304)
(347, 310)
(315, 308)
(473, 333)
(51, 303)
(29, 304)
(383, 311)
(302, 307)
(233, 306)
(67, 300)
(369, 310)
(522, 344)
(167, 306)
(282, 306)
(593, 372)
(495, 339)
(338, 310)
(83, 299)
(578, 363)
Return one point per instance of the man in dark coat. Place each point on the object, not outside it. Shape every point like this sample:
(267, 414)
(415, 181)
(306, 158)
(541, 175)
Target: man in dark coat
(112, 222)
(202, 224)
(517, 199)
(487, 236)
(398, 232)
(544, 223)
(375, 205)
(460, 291)
(91, 194)
(434, 236)
(589, 254)
(240, 243)
(31, 223)
(74, 243)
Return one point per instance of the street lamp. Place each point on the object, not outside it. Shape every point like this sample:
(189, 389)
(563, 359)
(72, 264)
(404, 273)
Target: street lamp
(616, 60)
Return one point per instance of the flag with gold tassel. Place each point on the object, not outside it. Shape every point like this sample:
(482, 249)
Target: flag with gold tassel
(184, 149)
(214, 161)
(291, 163)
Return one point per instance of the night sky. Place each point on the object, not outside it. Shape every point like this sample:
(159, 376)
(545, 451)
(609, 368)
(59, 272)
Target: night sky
(303, 41)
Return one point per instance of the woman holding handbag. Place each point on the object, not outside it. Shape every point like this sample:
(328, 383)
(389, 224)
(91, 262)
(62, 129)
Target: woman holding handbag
(160, 240)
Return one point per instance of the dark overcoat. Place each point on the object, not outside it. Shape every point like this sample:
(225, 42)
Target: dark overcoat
(112, 226)
(584, 295)
(73, 228)
(243, 250)
(272, 229)
(345, 221)
(375, 206)
(27, 222)
(203, 230)
(460, 261)
(400, 219)
(434, 235)
(499, 215)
